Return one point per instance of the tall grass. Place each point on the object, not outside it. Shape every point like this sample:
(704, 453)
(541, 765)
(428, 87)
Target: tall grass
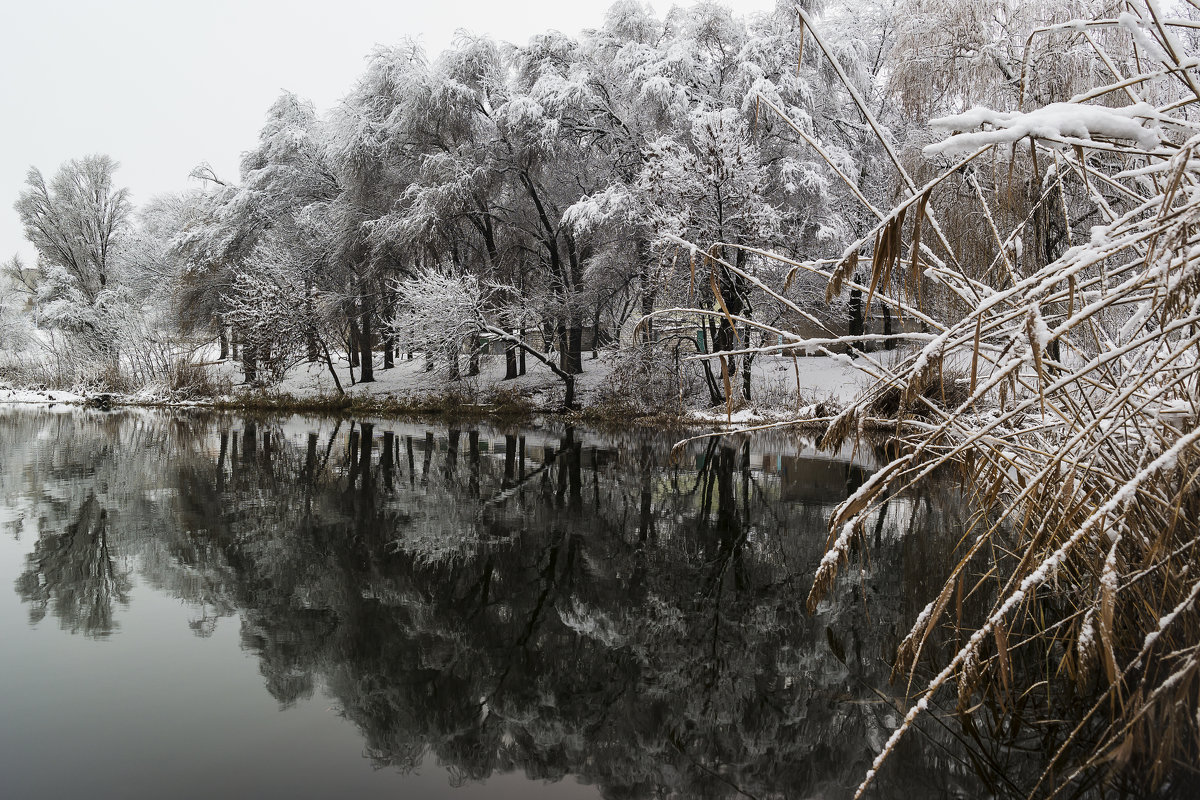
(1075, 590)
(1079, 434)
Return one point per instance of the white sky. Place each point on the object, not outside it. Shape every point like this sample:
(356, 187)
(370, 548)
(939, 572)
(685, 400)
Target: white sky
(162, 86)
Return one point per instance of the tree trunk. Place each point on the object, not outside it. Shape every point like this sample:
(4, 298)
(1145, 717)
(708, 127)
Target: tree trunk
(223, 338)
(310, 315)
(510, 361)
(250, 363)
(473, 364)
(569, 394)
(332, 371)
(749, 358)
(734, 296)
(367, 373)
(521, 364)
(716, 390)
(716, 394)
(352, 344)
(389, 340)
(573, 352)
(560, 340)
(856, 316)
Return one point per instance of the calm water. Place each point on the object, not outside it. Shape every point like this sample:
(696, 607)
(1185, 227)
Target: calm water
(209, 605)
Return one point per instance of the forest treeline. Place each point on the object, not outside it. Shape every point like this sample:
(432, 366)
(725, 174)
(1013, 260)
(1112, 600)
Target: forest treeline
(532, 199)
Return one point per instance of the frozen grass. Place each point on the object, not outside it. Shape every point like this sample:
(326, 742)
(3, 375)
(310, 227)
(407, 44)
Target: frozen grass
(1063, 385)
(611, 389)
(1075, 422)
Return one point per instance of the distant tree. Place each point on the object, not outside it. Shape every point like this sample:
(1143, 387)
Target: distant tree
(282, 203)
(208, 243)
(372, 142)
(708, 186)
(281, 317)
(15, 295)
(77, 221)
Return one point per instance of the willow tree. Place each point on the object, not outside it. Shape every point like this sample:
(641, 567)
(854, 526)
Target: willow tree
(78, 222)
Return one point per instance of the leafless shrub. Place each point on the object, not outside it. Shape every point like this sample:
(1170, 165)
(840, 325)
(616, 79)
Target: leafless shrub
(652, 379)
(192, 380)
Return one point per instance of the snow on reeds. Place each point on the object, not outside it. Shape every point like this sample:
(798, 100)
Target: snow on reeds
(1077, 421)
(1079, 430)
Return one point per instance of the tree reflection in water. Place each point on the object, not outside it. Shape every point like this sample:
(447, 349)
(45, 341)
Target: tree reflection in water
(556, 603)
(76, 574)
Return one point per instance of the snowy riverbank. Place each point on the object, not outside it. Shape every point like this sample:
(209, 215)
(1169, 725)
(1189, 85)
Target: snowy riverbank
(39, 396)
(781, 388)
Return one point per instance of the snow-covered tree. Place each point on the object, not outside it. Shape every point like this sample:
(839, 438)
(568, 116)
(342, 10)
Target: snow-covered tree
(372, 142)
(431, 132)
(282, 317)
(76, 222)
(447, 308)
(16, 325)
(281, 204)
(79, 223)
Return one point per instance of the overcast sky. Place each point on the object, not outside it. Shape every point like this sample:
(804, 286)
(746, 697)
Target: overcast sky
(163, 86)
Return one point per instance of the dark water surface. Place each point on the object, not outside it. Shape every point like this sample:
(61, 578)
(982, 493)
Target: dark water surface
(202, 605)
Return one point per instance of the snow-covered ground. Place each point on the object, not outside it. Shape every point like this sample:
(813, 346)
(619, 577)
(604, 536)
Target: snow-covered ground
(775, 381)
(781, 387)
(38, 396)
(408, 379)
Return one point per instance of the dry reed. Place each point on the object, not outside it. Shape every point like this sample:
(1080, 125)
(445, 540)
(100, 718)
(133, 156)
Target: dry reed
(1079, 432)
(1078, 429)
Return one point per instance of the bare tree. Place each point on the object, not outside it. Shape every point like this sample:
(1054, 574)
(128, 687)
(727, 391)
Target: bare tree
(77, 221)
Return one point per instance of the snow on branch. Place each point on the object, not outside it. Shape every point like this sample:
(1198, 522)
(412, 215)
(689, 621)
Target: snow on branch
(1065, 123)
(441, 307)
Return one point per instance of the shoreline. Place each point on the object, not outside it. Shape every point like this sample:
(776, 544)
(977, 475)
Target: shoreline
(608, 395)
(453, 406)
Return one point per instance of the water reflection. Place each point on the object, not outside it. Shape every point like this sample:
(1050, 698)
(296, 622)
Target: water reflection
(549, 602)
(76, 573)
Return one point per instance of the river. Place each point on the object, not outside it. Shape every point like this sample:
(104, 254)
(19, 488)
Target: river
(195, 604)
